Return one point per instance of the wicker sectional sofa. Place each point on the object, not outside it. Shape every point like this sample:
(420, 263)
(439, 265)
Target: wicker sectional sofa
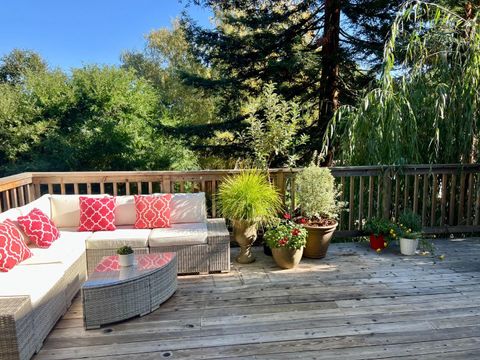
(38, 291)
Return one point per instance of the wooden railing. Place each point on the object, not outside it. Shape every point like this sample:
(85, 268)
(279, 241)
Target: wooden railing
(446, 196)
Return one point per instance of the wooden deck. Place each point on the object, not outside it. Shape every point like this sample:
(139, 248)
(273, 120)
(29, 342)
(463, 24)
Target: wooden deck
(354, 304)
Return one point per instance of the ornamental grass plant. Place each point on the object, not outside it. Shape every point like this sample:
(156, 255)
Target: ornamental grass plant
(249, 197)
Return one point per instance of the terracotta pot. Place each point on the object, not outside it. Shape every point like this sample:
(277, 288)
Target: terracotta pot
(245, 234)
(287, 258)
(377, 242)
(318, 240)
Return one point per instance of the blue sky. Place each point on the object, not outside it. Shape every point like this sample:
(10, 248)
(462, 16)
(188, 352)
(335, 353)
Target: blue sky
(72, 33)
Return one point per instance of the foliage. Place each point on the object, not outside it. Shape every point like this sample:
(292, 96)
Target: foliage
(18, 64)
(286, 234)
(125, 250)
(165, 57)
(249, 197)
(20, 131)
(409, 225)
(317, 193)
(253, 43)
(273, 129)
(427, 108)
(98, 118)
(378, 226)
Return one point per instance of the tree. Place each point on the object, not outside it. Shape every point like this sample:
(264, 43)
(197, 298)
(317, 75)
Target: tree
(23, 125)
(272, 134)
(165, 58)
(15, 66)
(111, 125)
(426, 109)
(98, 118)
(314, 50)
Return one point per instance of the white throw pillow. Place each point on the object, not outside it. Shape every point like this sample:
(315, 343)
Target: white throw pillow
(125, 210)
(188, 208)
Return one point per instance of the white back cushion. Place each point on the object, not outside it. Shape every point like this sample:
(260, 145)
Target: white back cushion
(188, 208)
(125, 210)
(66, 209)
(42, 204)
(11, 214)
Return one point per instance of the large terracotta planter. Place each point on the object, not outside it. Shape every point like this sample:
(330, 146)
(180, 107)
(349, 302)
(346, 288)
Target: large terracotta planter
(245, 234)
(287, 258)
(318, 240)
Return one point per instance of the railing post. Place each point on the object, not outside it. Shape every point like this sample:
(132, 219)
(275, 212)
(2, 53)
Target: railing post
(281, 185)
(387, 193)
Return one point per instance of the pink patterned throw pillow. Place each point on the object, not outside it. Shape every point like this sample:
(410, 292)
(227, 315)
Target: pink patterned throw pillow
(152, 211)
(39, 228)
(12, 247)
(97, 214)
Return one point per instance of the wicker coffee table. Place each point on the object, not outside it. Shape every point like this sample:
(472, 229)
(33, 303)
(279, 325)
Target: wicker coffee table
(113, 293)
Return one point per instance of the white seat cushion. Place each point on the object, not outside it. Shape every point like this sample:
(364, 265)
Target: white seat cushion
(35, 281)
(66, 250)
(66, 209)
(188, 208)
(179, 234)
(123, 235)
(42, 203)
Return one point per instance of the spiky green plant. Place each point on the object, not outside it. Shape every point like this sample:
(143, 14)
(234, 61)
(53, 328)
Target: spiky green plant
(249, 197)
(426, 108)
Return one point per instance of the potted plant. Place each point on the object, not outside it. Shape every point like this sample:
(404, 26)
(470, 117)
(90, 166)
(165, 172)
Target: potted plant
(379, 230)
(248, 200)
(126, 257)
(319, 207)
(409, 232)
(287, 240)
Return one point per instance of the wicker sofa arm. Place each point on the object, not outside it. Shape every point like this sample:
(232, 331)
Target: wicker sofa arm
(16, 327)
(217, 231)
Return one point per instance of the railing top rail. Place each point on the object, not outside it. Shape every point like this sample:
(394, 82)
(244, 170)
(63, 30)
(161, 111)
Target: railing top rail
(78, 176)
(13, 181)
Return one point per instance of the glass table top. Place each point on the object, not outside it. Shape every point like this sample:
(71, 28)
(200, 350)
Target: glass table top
(109, 272)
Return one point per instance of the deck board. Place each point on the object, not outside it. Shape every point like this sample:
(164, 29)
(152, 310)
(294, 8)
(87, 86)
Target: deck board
(354, 304)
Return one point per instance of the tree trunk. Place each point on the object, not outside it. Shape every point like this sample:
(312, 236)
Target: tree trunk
(329, 88)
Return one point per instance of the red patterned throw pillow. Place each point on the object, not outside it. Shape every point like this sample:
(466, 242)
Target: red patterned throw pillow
(39, 228)
(12, 247)
(152, 211)
(97, 214)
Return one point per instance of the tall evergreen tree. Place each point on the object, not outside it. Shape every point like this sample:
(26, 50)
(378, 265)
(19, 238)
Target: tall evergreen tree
(322, 52)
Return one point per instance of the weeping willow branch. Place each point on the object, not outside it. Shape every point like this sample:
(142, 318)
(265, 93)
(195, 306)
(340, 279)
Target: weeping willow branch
(426, 106)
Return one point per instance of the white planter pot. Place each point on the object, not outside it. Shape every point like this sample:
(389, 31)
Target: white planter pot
(408, 246)
(126, 260)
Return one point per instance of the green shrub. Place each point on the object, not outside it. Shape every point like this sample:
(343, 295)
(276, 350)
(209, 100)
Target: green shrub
(249, 197)
(317, 193)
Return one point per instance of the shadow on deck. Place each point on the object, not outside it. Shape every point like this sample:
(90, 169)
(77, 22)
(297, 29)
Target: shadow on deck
(354, 304)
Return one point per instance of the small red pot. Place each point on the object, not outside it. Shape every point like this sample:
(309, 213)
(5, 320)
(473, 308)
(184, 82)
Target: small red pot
(377, 242)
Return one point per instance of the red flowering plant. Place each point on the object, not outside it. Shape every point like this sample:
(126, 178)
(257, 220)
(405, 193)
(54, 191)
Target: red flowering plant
(286, 234)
